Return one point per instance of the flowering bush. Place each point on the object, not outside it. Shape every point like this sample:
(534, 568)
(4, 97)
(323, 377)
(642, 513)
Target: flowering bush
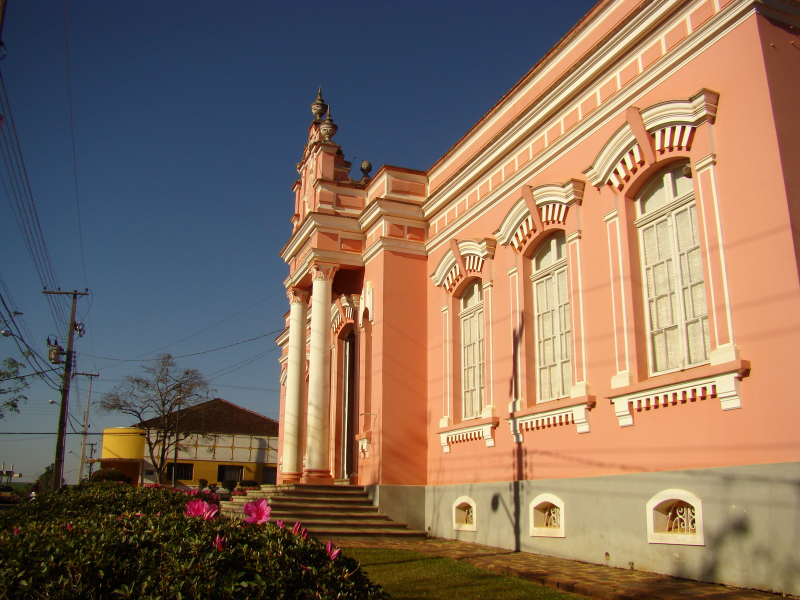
(109, 474)
(116, 541)
(257, 512)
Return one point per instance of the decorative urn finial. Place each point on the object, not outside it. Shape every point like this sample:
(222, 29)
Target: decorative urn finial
(366, 167)
(328, 128)
(319, 108)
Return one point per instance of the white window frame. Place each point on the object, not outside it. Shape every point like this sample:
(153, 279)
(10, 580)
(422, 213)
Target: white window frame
(472, 316)
(679, 539)
(552, 271)
(542, 531)
(668, 212)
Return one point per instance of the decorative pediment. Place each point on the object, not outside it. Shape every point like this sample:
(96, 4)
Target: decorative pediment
(447, 272)
(475, 252)
(553, 200)
(344, 311)
(668, 126)
(517, 226)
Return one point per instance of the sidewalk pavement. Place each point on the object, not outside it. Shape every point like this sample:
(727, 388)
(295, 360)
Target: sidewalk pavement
(594, 581)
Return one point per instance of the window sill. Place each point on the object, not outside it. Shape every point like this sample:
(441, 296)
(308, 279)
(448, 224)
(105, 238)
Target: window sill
(566, 411)
(706, 381)
(467, 431)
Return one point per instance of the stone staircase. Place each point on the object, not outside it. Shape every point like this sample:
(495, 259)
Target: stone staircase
(327, 511)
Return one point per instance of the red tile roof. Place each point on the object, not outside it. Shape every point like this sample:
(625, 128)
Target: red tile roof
(219, 416)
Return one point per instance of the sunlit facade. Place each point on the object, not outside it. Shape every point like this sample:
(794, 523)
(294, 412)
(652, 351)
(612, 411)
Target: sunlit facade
(574, 334)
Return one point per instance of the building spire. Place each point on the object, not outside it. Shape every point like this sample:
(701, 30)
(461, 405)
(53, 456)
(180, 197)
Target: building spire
(318, 107)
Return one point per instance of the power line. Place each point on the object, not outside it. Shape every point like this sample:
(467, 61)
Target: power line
(24, 208)
(72, 133)
(193, 353)
(242, 364)
(204, 330)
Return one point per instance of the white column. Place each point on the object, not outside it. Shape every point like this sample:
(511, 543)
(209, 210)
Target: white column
(317, 469)
(295, 388)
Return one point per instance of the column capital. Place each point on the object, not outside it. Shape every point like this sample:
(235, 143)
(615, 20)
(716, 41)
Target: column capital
(322, 271)
(298, 295)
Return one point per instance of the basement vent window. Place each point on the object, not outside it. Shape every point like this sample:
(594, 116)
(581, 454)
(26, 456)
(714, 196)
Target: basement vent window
(675, 517)
(547, 516)
(465, 515)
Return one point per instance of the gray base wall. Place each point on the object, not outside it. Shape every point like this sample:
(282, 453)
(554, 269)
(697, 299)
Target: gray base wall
(404, 503)
(751, 522)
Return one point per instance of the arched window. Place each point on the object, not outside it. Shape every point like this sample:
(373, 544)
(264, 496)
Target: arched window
(672, 270)
(553, 331)
(472, 359)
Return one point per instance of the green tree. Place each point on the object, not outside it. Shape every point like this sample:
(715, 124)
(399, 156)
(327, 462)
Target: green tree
(155, 399)
(44, 483)
(12, 385)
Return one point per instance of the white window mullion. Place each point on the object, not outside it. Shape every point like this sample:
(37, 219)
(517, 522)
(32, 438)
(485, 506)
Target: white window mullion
(472, 352)
(553, 327)
(672, 269)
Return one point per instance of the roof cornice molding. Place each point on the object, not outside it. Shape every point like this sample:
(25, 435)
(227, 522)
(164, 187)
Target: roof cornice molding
(317, 222)
(555, 100)
(383, 207)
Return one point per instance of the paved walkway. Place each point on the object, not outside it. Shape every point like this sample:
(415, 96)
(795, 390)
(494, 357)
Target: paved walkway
(594, 581)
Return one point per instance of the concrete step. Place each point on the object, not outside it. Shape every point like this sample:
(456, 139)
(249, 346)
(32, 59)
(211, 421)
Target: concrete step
(330, 533)
(327, 512)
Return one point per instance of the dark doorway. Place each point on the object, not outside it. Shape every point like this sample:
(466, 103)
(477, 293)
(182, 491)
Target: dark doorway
(349, 407)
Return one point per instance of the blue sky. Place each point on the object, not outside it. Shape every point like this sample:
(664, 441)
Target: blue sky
(189, 118)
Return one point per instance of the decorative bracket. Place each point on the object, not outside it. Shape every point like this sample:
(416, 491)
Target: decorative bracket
(725, 387)
(484, 431)
(569, 415)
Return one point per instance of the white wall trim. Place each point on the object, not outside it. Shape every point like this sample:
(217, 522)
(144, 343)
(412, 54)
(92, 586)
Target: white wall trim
(571, 415)
(541, 531)
(726, 387)
(682, 539)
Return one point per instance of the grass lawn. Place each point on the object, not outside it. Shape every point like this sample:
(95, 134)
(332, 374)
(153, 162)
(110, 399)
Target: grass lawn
(411, 575)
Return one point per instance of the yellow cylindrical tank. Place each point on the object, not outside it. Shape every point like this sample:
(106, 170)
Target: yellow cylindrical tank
(123, 442)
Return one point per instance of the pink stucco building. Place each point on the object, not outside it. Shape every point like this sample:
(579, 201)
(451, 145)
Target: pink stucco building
(576, 333)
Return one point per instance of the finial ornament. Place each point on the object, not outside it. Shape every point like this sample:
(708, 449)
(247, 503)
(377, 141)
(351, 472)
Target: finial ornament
(319, 108)
(328, 128)
(366, 167)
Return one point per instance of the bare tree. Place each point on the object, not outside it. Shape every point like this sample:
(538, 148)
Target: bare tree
(156, 398)
(11, 386)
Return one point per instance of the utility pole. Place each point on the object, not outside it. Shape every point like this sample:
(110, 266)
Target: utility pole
(91, 456)
(58, 464)
(91, 377)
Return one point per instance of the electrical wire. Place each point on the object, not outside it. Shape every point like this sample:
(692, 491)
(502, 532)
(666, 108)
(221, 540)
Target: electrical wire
(72, 134)
(193, 353)
(24, 209)
(199, 332)
(242, 364)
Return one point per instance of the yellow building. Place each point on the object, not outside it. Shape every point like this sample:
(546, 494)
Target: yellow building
(219, 441)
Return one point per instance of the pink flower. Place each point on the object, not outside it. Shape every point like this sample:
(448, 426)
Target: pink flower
(69, 526)
(279, 523)
(199, 508)
(296, 528)
(17, 530)
(158, 514)
(257, 511)
(304, 533)
(332, 551)
(219, 543)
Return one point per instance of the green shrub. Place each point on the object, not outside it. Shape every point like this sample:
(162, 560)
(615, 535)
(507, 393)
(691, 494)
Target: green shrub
(202, 484)
(109, 474)
(248, 483)
(91, 542)
(228, 484)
